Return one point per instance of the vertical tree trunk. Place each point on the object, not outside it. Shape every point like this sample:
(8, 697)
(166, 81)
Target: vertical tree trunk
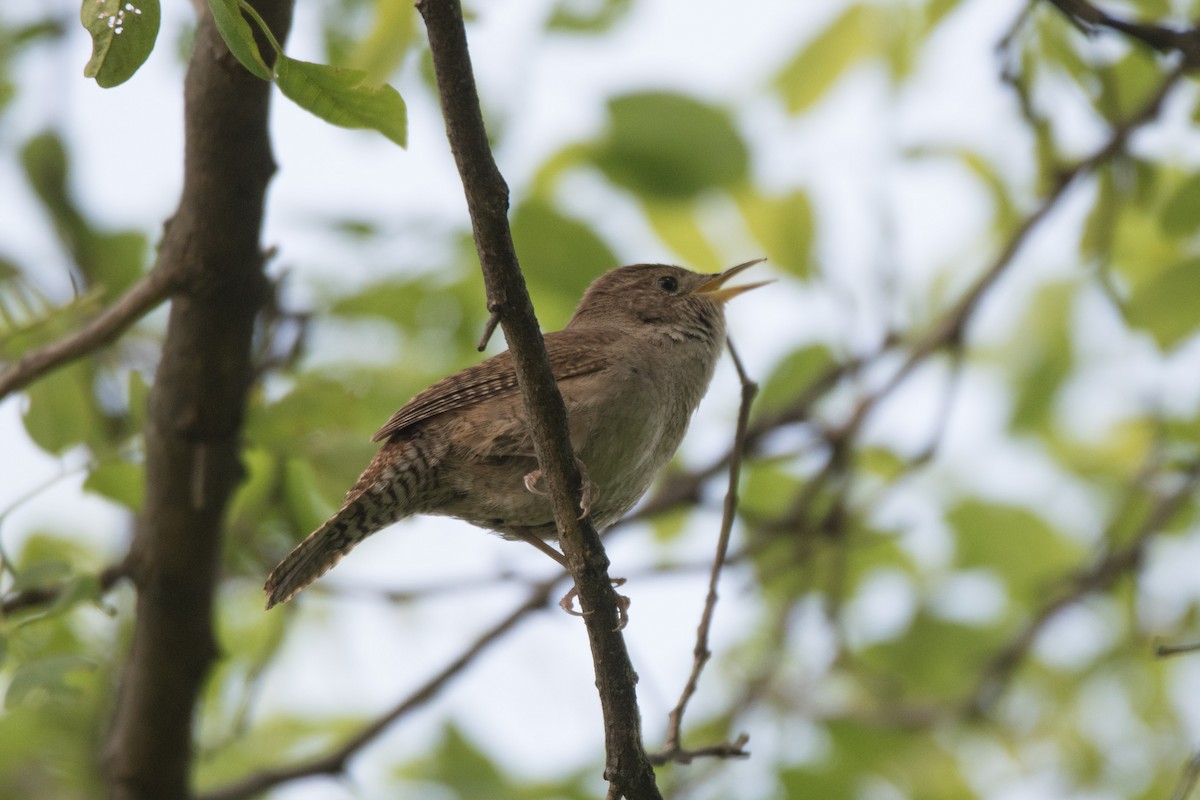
(211, 251)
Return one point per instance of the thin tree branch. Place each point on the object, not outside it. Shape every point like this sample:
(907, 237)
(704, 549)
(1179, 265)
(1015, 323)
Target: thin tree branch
(628, 770)
(336, 761)
(671, 750)
(142, 298)
(1188, 780)
(1087, 17)
(44, 595)
(1115, 563)
(1164, 650)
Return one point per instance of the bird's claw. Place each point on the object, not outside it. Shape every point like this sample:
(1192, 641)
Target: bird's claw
(533, 484)
(567, 604)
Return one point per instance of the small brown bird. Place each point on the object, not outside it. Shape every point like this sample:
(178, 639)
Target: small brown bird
(632, 366)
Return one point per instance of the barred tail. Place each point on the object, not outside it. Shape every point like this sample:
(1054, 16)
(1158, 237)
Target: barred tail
(325, 547)
(394, 485)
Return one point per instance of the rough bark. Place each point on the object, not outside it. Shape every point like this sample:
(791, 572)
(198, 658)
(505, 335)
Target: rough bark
(211, 249)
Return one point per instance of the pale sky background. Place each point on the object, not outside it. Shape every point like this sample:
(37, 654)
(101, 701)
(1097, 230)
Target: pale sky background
(530, 701)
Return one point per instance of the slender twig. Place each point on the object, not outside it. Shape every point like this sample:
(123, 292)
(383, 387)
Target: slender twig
(144, 296)
(44, 595)
(1163, 650)
(1115, 563)
(1087, 17)
(336, 761)
(627, 768)
(488, 329)
(671, 750)
(1188, 780)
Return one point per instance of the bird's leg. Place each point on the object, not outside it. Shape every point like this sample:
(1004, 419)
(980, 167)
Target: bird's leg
(533, 482)
(567, 603)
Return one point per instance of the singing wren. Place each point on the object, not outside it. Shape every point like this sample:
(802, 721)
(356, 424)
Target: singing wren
(632, 366)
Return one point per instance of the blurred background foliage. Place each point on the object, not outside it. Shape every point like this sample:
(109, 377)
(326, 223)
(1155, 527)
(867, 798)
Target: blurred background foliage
(950, 587)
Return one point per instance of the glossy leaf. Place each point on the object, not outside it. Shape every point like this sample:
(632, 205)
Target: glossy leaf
(343, 97)
(238, 36)
(123, 34)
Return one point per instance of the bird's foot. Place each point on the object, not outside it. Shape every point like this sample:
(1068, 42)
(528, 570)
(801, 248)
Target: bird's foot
(533, 484)
(567, 604)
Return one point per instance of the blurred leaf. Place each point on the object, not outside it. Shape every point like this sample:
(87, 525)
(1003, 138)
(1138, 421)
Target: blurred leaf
(557, 251)
(1168, 305)
(392, 34)
(60, 410)
(784, 226)
(793, 375)
(1041, 351)
(676, 224)
(1181, 213)
(1020, 547)
(111, 260)
(41, 573)
(821, 63)
(239, 38)
(278, 739)
(934, 658)
(574, 16)
(49, 675)
(343, 97)
(123, 34)
(44, 160)
(305, 502)
(119, 481)
(1129, 84)
(1098, 229)
(670, 146)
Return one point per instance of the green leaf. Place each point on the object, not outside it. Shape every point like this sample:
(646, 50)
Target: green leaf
(60, 412)
(238, 36)
(48, 675)
(557, 251)
(123, 34)
(1020, 546)
(1131, 81)
(792, 376)
(119, 481)
(1181, 214)
(821, 62)
(574, 16)
(670, 146)
(392, 34)
(41, 574)
(784, 226)
(677, 225)
(343, 97)
(1168, 304)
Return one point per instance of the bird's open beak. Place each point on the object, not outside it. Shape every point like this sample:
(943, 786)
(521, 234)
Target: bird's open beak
(715, 288)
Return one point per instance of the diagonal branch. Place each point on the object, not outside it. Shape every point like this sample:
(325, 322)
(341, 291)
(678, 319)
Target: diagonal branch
(672, 750)
(1088, 17)
(142, 298)
(1098, 576)
(628, 769)
(335, 762)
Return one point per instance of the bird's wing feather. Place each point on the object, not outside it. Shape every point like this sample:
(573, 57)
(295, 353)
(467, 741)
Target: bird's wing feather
(572, 353)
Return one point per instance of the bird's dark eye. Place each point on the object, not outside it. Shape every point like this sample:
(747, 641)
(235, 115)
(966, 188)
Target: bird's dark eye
(668, 284)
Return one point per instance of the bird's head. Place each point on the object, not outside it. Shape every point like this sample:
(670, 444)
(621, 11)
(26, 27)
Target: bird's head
(682, 304)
